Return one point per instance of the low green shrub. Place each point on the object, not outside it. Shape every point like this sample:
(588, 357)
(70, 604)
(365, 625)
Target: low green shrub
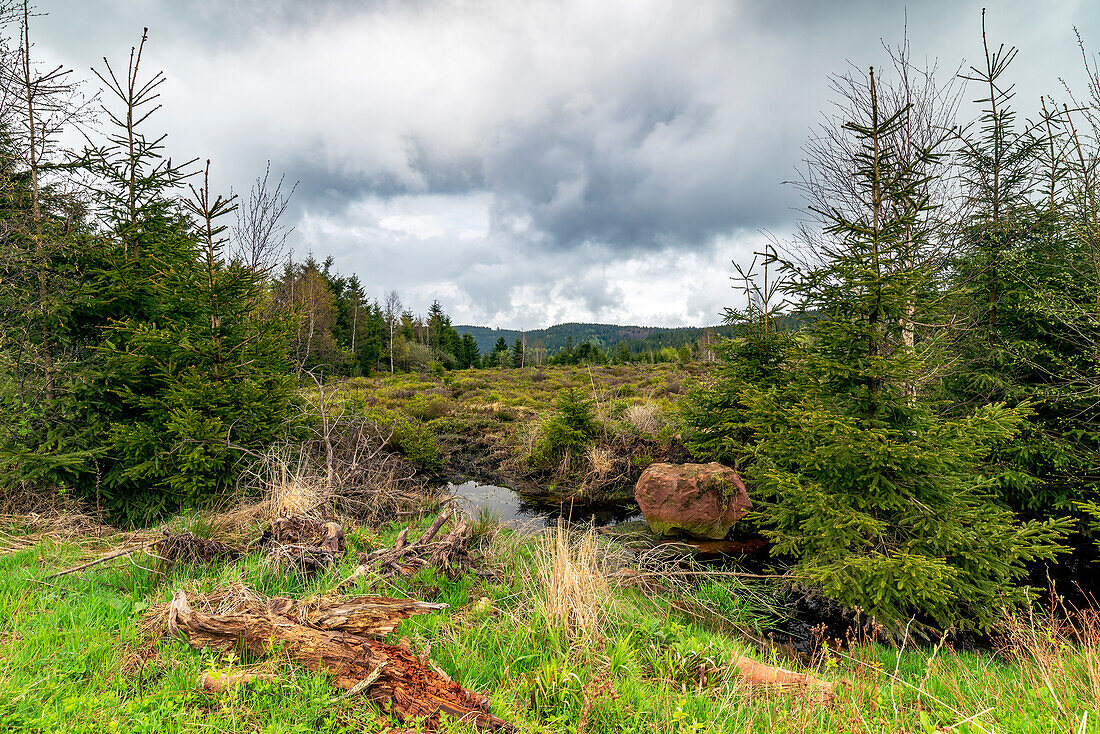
(572, 426)
(429, 407)
(412, 438)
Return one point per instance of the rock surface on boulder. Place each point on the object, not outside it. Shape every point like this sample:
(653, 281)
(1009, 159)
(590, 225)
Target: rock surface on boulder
(704, 500)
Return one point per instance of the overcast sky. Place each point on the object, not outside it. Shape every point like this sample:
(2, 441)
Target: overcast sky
(528, 163)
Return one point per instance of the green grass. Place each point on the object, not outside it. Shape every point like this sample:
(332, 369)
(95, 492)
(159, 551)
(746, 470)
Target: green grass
(72, 658)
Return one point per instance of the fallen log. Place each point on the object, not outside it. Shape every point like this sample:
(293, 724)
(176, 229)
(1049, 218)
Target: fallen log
(366, 616)
(755, 673)
(393, 677)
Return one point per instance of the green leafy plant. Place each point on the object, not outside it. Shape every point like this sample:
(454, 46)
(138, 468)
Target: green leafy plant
(553, 689)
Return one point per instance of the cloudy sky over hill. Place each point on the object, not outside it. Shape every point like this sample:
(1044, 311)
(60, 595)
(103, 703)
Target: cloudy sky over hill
(528, 163)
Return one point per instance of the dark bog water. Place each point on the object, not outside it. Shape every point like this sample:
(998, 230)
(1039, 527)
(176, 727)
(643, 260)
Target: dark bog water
(516, 509)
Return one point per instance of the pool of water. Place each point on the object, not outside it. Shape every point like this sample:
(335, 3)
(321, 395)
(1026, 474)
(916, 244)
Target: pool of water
(516, 509)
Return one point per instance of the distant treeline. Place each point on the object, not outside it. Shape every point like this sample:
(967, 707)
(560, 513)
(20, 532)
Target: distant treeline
(341, 331)
(638, 339)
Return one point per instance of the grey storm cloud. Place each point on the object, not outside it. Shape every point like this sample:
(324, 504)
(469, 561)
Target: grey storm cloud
(532, 161)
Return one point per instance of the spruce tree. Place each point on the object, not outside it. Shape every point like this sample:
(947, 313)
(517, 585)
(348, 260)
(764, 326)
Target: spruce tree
(1026, 285)
(879, 502)
(498, 357)
(189, 373)
(47, 244)
(208, 382)
(716, 422)
(471, 355)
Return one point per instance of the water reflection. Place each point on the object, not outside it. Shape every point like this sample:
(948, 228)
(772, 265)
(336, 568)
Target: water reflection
(515, 509)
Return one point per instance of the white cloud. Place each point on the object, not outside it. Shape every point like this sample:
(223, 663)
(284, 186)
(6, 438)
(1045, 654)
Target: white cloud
(532, 162)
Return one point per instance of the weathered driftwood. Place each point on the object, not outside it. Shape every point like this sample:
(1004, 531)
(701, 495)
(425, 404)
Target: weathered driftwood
(450, 554)
(393, 677)
(754, 673)
(366, 616)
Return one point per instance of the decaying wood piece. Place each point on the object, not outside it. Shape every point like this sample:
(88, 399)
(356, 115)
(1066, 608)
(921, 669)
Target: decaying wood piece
(450, 554)
(309, 545)
(404, 685)
(754, 673)
(366, 616)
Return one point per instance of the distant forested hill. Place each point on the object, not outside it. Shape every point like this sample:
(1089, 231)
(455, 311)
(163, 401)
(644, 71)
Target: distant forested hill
(605, 336)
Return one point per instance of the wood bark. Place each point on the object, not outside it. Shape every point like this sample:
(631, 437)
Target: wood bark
(393, 677)
(366, 616)
(755, 673)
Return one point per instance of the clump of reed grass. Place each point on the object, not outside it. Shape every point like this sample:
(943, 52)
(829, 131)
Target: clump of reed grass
(645, 418)
(572, 588)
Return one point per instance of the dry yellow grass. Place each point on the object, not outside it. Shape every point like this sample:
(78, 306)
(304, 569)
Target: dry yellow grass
(285, 482)
(645, 418)
(601, 461)
(572, 584)
(294, 494)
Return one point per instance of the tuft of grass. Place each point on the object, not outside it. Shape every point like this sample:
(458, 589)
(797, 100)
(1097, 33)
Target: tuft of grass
(573, 589)
(644, 418)
(485, 522)
(601, 461)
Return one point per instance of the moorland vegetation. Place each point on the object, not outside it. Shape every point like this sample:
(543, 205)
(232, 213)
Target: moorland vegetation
(911, 393)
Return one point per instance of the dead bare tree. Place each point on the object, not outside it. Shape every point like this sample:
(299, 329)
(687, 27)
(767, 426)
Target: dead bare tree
(392, 314)
(36, 104)
(260, 235)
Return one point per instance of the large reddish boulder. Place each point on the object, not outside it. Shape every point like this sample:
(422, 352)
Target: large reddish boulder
(704, 500)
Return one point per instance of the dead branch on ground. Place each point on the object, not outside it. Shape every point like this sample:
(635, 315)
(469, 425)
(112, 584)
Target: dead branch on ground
(450, 554)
